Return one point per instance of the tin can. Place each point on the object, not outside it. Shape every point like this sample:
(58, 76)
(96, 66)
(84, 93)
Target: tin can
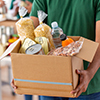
(26, 43)
(35, 49)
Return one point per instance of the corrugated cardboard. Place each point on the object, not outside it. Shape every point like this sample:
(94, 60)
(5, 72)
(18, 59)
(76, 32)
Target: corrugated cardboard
(49, 75)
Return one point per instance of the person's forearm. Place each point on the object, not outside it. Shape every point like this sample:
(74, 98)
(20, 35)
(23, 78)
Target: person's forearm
(93, 67)
(35, 20)
(87, 75)
(95, 64)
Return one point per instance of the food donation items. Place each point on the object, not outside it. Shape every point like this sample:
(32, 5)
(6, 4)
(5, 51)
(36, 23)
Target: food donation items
(43, 35)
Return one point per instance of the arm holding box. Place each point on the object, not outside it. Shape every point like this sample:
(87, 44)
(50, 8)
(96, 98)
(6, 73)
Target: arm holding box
(87, 75)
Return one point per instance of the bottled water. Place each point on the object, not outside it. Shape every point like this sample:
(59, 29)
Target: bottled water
(56, 32)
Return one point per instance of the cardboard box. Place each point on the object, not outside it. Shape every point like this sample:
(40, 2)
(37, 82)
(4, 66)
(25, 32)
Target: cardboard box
(48, 75)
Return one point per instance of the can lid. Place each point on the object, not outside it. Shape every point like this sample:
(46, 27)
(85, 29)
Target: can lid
(63, 37)
(33, 49)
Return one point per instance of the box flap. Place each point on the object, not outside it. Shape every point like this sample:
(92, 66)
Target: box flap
(88, 50)
(9, 49)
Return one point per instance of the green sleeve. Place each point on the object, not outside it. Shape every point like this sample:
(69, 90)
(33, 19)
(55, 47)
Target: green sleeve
(11, 5)
(38, 5)
(98, 11)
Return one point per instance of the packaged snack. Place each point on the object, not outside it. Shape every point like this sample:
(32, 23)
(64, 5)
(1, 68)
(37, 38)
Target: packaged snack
(69, 50)
(25, 27)
(44, 30)
(44, 43)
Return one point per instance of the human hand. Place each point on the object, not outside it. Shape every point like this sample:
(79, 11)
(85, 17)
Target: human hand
(29, 6)
(16, 2)
(15, 9)
(85, 77)
(13, 85)
(2, 3)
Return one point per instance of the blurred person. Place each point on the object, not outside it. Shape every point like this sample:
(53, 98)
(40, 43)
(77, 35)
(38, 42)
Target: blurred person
(2, 3)
(14, 7)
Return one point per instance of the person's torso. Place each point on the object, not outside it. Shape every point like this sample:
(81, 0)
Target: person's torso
(75, 17)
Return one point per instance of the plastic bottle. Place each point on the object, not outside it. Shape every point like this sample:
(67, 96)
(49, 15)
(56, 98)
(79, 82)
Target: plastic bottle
(56, 31)
(3, 35)
(65, 41)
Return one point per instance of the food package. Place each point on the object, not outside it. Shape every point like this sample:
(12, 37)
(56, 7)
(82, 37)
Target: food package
(44, 30)
(69, 50)
(25, 27)
(44, 43)
(26, 43)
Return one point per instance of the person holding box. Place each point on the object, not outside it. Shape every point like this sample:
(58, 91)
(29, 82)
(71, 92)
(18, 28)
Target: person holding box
(77, 18)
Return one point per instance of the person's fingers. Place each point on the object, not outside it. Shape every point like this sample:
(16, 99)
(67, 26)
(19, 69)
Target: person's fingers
(79, 92)
(80, 72)
(77, 89)
(12, 84)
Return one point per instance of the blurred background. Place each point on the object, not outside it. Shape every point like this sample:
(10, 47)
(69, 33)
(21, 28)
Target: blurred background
(8, 35)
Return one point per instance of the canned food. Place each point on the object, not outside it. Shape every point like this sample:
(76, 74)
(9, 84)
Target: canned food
(27, 43)
(35, 49)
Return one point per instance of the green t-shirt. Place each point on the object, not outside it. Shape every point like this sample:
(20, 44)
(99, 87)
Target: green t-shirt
(76, 18)
(11, 7)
